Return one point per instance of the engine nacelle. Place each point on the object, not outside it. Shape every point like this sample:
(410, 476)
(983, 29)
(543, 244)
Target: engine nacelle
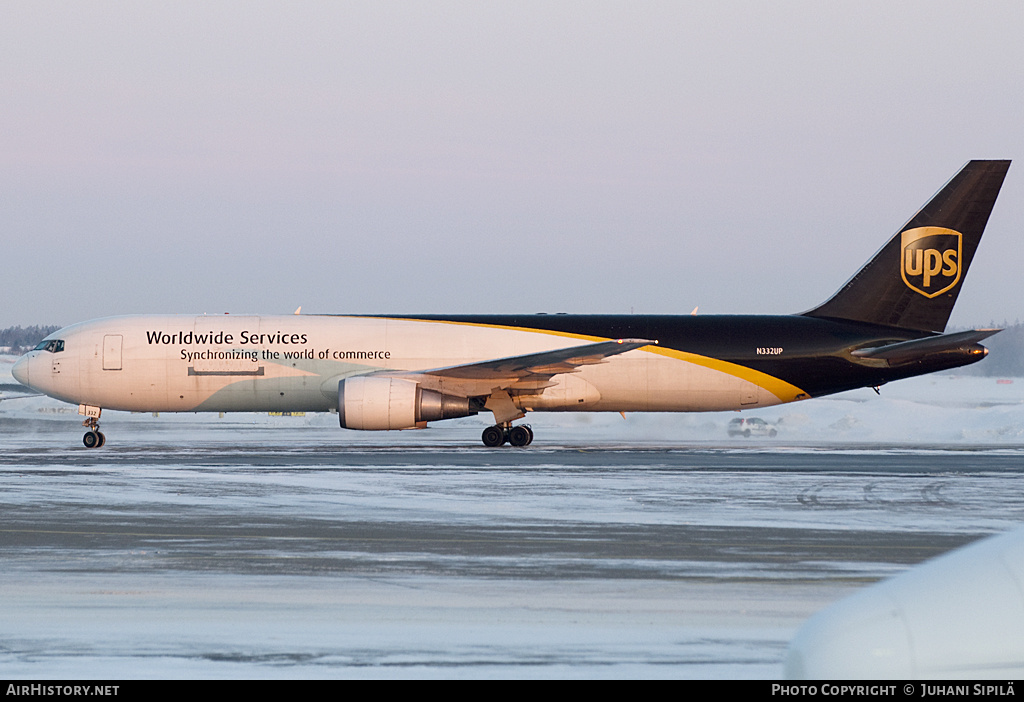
(380, 403)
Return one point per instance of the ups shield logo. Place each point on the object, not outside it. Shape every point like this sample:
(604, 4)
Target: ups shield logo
(930, 259)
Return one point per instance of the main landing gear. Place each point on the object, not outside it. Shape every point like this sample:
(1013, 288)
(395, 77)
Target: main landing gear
(94, 437)
(498, 434)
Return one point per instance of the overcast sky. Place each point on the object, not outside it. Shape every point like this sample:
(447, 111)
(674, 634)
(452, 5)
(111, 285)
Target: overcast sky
(376, 157)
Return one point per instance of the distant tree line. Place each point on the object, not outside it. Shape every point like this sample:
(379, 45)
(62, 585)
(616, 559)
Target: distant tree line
(21, 339)
(1005, 353)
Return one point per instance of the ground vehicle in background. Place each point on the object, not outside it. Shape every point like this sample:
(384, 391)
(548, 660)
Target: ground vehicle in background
(751, 426)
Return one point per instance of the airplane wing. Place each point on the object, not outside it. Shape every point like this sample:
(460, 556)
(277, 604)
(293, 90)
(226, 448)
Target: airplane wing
(526, 374)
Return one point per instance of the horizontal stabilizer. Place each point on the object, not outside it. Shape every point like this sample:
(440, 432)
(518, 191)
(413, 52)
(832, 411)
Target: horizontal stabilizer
(917, 349)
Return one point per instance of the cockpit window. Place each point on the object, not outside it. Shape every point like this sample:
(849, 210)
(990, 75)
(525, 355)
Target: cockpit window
(51, 345)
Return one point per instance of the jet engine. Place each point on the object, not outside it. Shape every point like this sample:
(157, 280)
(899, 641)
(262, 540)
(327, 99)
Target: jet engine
(380, 403)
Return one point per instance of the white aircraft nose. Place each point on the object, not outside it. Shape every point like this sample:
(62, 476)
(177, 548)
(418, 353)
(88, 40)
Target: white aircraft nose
(862, 637)
(20, 370)
(960, 615)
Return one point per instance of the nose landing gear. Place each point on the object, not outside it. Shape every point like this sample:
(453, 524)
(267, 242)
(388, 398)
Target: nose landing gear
(94, 437)
(498, 434)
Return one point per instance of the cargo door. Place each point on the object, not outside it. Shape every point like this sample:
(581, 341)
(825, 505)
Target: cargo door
(220, 348)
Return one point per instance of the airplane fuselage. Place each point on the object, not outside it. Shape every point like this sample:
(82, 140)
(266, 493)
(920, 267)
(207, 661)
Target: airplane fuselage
(224, 363)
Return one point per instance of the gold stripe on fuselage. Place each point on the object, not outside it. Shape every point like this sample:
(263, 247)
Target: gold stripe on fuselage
(786, 392)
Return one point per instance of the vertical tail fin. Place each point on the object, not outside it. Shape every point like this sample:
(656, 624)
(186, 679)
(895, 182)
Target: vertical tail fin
(913, 281)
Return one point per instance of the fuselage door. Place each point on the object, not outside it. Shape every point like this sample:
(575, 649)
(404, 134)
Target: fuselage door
(112, 351)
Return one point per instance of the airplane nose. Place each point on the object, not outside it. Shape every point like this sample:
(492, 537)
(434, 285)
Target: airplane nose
(960, 612)
(20, 370)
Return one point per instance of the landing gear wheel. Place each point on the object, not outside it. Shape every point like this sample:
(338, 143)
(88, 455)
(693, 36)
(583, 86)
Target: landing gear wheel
(94, 437)
(493, 436)
(520, 436)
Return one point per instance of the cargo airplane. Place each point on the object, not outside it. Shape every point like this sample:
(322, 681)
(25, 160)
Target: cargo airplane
(403, 371)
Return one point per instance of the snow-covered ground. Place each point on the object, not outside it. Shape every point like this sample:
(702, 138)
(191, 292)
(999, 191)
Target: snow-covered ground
(196, 546)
